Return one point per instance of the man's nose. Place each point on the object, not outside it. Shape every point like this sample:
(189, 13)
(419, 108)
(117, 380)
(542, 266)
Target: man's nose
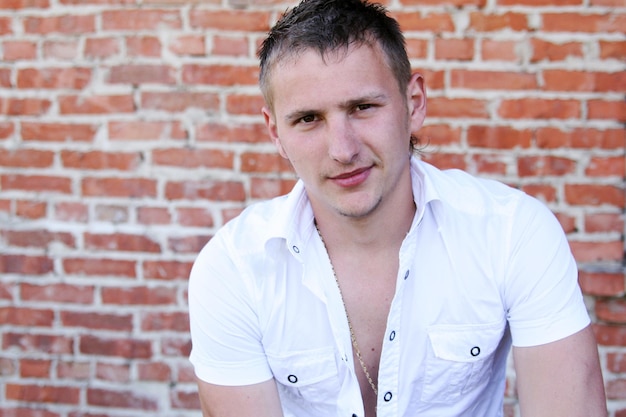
(343, 142)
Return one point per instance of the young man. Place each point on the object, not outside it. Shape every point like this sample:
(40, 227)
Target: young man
(381, 286)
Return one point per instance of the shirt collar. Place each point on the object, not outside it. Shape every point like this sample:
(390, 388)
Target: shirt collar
(294, 222)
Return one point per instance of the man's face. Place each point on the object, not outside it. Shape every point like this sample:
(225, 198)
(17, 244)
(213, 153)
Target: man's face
(345, 126)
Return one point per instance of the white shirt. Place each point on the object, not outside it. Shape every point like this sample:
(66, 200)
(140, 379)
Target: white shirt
(483, 266)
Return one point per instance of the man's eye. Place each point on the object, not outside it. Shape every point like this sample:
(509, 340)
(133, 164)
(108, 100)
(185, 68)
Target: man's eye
(363, 106)
(308, 118)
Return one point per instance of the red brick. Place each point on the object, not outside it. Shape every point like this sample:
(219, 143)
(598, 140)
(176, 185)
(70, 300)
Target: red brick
(31, 209)
(612, 49)
(154, 371)
(580, 23)
(446, 161)
(498, 137)
(539, 109)
(111, 213)
(26, 158)
(611, 251)
(117, 347)
(112, 372)
(95, 104)
(58, 293)
(216, 132)
(97, 321)
(606, 167)
(166, 270)
(454, 49)
(551, 138)
(544, 192)
(145, 130)
(604, 222)
(205, 190)
(482, 22)
(264, 162)
(616, 362)
(100, 267)
(102, 48)
(457, 107)
(495, 50)
(19, 50)
(58, 132)
(24, 4)
(43, 394)
(220, 74)
(431, 23)
(489, 164)
(71, 212)
(265, 188)
(7, 129)
(602, 283)
(539, 3)
(594, 195)
(561, 80)
(180, 101)
(36, 411)
(545, 166)
(611, 311)
(616, 389)
(230, 20)
(170, 321)
(610, 335)
(238, 104)
(153, 215)
(568, 223)
(187, 244)
(603, 109)
(188, 45)
(194, 216)
(119, 187)
(549, 51)
(24, 106)
(194, 158)
(479, 3)
(25, 265)
(121, 242)
(73, 370)
(37, 183)
(139, 296)
(54, 78)
(66, 50)
(37, 238)
(141, 19)
(142, 74)
(38, 343)
(97, 160)
(66, 24)
(143, 46)
(230, 46)
(438, 135)
(35, 368)
(178, 346)
(417, 48)
(122, 399)
(184, 400)
(26, 316)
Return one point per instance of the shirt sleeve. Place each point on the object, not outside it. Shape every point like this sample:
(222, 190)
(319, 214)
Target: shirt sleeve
(543, 298)
(226, 340)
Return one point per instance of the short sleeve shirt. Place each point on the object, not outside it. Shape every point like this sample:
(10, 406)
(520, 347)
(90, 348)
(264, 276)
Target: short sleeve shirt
(483, 266)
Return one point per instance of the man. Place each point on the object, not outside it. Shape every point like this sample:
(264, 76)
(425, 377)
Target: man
(380, 286)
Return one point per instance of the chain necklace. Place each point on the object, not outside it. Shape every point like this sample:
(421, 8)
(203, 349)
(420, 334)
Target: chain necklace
(352, 335)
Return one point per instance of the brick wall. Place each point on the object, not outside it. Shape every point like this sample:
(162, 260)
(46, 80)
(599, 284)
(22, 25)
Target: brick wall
(130, 131)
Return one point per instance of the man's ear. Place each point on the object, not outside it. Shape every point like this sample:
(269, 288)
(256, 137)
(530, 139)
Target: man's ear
(272, 129)
(416, 100)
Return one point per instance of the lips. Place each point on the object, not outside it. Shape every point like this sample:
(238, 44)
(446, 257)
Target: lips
(352, 178)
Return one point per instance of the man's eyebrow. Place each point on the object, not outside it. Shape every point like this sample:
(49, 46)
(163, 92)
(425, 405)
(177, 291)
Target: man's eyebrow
(348, 104)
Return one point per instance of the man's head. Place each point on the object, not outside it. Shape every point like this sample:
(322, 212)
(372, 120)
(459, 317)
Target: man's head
(330, 26)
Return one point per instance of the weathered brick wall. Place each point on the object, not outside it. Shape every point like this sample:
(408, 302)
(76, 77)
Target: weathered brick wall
(130, 131)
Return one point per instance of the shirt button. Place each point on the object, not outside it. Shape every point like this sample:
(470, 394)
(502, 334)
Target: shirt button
(292, 378)
(295, 249)
(475, 351)
(354, 415)
(406, 274)
(387, 396)
(392, 335)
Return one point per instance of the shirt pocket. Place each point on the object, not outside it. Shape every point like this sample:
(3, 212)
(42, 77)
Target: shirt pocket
(460, 358)
(309, 375)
